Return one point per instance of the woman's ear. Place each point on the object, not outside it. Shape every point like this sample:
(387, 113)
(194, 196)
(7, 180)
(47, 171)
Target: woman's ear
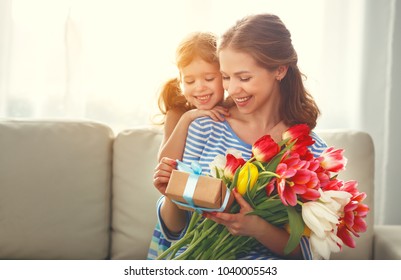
(281, 71)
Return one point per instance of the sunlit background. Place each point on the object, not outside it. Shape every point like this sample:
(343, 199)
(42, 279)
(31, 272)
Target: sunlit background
(105, 60)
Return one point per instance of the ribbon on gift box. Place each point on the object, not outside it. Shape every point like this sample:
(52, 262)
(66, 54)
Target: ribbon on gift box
(195, 170)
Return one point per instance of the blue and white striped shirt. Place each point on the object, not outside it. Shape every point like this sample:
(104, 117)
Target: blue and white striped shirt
(205, 140)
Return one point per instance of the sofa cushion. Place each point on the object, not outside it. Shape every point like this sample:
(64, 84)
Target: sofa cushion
(359, 150)
(387, 244)
(54, 190)
(133, 189)
(134, 196)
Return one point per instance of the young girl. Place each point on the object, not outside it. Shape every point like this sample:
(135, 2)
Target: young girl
(197, 92)
(261, 76)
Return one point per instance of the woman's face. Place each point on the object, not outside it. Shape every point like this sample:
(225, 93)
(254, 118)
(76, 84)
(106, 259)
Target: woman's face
(201, 84)
(251, 87)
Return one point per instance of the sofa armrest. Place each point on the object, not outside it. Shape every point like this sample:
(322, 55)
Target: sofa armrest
(387, 242)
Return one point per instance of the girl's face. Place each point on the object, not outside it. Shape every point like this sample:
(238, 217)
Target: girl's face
(201, 84)
(252, 87)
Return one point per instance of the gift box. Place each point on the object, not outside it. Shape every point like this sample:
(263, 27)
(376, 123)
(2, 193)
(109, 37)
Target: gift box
(208, 192)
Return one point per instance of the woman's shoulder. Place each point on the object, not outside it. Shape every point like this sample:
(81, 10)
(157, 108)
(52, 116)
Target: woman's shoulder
(319, 144)
(207, 122)
(206, 125)
(318, 140)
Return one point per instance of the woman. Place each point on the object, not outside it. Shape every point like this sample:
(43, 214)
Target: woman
(260, 73)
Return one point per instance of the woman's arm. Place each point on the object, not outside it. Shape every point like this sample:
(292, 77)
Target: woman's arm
(268, 235)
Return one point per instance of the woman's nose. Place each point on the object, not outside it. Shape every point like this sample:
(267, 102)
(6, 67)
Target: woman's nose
(232, 87)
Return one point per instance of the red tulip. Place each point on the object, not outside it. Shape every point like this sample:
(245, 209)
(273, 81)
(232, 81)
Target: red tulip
(300, 134)
(265, 148)
(232, 164)
(296, 131)
(333, 160)
(355, 212)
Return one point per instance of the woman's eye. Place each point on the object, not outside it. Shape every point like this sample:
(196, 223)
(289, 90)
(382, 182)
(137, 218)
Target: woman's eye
(225, 78)
(244, 79)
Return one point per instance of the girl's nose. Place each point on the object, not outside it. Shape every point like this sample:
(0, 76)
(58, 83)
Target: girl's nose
(200, 85)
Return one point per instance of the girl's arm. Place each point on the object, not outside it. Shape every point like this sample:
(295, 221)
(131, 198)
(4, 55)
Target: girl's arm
(173, 217)
(173, 148)
(176, 129)
(172, 118)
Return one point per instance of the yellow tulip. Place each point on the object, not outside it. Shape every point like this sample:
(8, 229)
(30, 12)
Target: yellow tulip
(247, 169)
(306, 232)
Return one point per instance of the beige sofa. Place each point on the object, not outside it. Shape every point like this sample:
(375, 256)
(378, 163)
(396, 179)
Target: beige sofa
(74, 190)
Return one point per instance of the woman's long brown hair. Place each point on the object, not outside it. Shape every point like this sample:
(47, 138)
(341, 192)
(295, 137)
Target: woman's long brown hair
(268, 41)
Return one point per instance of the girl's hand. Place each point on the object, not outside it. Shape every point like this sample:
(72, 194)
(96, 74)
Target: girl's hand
(162, 173)
(240, 223)
(217, 113)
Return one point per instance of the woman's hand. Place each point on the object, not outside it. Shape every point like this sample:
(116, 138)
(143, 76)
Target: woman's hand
(218, 113)
(268, 235)
(162, 173)
(240, 223)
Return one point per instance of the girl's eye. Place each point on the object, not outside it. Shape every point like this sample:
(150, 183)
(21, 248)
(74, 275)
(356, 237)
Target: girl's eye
(209, 79)
(245, 79)
(189, 82)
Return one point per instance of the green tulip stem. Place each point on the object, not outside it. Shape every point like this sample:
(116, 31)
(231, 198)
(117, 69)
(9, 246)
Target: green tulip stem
(220, 242)
(196, 242)
(228, 252)
(176, 245)
(194, 220)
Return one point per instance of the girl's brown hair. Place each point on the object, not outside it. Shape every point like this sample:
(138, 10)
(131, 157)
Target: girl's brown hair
(268, 41)
(201, 45)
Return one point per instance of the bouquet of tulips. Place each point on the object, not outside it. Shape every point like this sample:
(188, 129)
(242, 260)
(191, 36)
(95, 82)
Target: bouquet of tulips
(288, 187)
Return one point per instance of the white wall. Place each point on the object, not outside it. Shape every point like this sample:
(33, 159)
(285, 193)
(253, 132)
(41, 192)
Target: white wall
(381, 103)
(112, 56)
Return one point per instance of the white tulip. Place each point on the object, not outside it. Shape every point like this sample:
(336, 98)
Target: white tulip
(217, 165)
(318, 218)
(335, 200)
(234, 152)
(323, 247)
(219, 162)
(322, 217)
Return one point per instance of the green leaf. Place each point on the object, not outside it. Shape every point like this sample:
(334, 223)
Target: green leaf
(235, 179)
(268, 204)
(296, 229)
(248, 192)
(272, 165)
(259, 164)
(284, 141)
(218, 176)
(253, 191)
